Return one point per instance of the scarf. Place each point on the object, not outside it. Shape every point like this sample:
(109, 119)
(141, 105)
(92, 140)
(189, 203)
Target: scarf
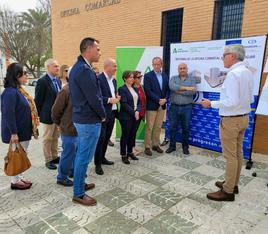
(34, 114)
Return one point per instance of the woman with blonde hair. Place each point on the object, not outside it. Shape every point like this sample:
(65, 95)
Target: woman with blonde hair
(64, 74)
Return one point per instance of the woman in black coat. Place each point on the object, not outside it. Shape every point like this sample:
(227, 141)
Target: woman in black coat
(128, 116)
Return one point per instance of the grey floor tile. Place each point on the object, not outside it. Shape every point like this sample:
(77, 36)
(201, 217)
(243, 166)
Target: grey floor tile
(114, 223)
(140, 210)
(115, 198)
(157, 178)
(62, 224)
(40, 228)
(170, 223)
(187, 164)
(163, 198)
(197, 178)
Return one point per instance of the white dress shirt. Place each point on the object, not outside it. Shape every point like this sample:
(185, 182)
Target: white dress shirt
(236, 92)
(111, 86)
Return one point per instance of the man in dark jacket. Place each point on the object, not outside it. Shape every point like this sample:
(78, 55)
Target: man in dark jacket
(110, 99)
(88, 113)
(45, 94)
(156, 91)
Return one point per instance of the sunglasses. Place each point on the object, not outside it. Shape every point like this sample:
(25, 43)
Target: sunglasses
(66, 70)
(25, 73)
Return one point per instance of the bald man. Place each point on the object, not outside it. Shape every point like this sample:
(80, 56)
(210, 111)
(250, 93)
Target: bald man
(110, 99)
(182, 89)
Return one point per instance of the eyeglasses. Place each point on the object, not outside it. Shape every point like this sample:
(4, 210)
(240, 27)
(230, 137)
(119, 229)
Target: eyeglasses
(226, 54)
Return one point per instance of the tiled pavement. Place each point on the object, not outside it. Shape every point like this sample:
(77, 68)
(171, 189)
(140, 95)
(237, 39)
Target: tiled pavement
(164, 194)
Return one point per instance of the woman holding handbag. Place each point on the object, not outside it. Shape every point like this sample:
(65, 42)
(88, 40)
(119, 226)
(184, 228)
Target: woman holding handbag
(19, 117)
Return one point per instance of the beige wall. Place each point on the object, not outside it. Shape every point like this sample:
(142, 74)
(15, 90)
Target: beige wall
(138, 22)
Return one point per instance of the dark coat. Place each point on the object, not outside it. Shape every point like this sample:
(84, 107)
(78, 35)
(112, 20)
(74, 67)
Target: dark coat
(16, 116)
(106, 94)
(153, 91)
(45, 95)
(85, 94)
(127, 103)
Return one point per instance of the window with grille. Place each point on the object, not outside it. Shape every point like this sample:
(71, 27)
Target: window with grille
(171, 33)
(228, 18)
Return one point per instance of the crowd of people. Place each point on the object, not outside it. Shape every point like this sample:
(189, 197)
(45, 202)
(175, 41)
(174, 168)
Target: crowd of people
(80, 105)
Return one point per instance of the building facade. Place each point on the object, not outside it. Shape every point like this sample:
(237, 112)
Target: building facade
(153, 23)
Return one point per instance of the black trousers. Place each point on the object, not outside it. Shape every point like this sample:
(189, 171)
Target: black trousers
(106, 132)
(127, 140)
(137, 128)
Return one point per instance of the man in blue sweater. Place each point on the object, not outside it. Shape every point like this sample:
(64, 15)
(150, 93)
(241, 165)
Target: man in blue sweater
(88, 113)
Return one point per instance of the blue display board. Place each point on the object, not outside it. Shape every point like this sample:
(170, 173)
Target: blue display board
(204, 127)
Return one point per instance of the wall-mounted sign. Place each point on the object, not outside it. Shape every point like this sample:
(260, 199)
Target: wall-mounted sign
(70, 12)
(94, 5)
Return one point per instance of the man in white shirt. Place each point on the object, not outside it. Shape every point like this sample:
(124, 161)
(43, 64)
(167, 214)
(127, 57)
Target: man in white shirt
(110, 99)
(234, 108)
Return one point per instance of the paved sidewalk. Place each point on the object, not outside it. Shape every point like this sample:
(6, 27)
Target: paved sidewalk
(163, 194)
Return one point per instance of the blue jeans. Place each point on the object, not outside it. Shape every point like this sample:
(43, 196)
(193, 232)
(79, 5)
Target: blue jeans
(69, 145)
(88, 135)
(180, 114)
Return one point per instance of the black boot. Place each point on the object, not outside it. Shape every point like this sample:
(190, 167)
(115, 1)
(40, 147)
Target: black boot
(132, 156)
(125, 159)
(185, 150)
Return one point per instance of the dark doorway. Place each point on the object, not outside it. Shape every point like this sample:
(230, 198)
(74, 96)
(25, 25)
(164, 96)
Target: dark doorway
(171, 33)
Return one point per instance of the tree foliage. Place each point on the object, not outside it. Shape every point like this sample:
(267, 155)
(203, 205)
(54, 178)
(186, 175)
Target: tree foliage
(27, 36)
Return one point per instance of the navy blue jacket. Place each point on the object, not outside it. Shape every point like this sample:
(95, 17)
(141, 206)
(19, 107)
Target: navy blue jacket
(85, 94)
(16, 116)
(106, 94)
(153, 91)
(127, 103)
(45, 96)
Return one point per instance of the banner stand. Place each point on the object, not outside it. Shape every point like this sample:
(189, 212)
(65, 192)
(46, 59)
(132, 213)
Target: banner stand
(250, 162)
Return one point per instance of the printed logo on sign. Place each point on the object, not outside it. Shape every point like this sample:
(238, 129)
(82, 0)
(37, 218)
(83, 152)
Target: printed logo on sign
(252, 41)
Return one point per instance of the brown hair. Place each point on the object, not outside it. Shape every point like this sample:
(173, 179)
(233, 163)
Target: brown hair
(126, 74)
(137, 74)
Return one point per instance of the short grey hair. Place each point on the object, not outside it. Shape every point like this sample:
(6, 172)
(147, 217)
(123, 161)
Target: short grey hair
(157, 58)
(49, 62)
(238, 50)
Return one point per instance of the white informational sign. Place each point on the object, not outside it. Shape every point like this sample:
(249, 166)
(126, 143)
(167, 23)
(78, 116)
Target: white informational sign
(205, 64)
(262, 108)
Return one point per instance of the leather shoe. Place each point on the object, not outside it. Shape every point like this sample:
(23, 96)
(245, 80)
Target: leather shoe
(221, 195)
(99, 170)
(89, 186)
(110, 143)
(219, 184)
(20, 186)
(169, 150)
(125, 159)
(148, 152)
(66, 182)
(165, 142)
(26, 182)
(107, 162)
(186, 151)
(157, 149)
(51, 166)
(86, 200)
(132, 156)
(56, 160)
